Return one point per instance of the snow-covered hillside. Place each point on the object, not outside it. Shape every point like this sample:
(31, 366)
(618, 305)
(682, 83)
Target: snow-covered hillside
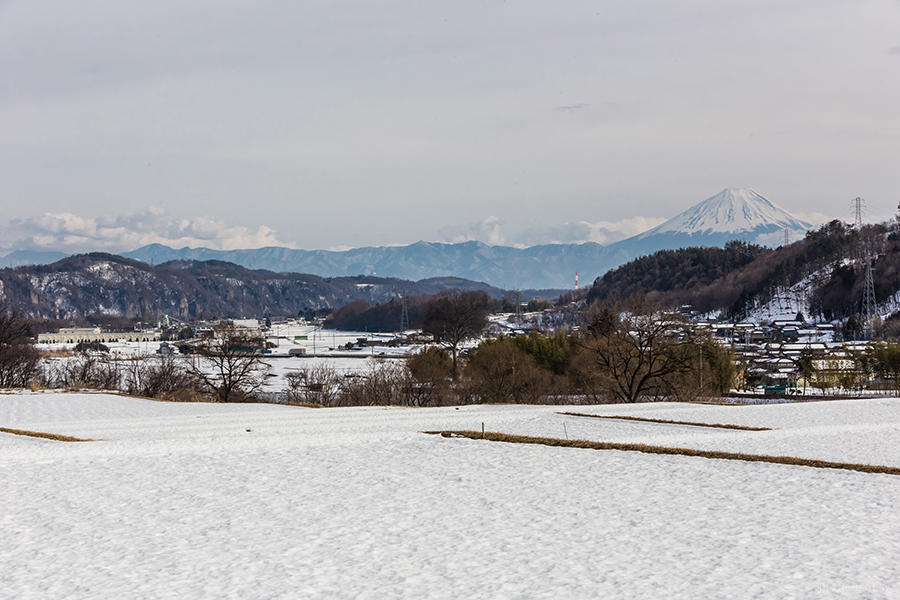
(731, 211)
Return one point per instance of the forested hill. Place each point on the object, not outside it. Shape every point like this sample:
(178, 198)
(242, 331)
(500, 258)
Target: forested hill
(826, 268)
(104, 284)
(668, 270)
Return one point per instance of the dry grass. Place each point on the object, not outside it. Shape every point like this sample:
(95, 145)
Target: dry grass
(46, 436)
(300, 404)
(781, 460)
(56, 353)
(667, 422)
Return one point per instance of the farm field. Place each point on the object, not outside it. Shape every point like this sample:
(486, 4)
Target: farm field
(262, 501)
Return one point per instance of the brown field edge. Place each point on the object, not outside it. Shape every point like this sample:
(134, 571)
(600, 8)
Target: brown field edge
(41, 434)
(667, 422)
(780, 460)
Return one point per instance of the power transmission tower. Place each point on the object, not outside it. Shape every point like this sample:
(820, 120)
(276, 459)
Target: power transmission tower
(518, 307)
(404, 313)
(859, 208)
(868, 299)
(787, 236)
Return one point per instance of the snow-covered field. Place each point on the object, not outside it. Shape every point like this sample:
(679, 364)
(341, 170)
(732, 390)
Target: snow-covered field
(263, 501)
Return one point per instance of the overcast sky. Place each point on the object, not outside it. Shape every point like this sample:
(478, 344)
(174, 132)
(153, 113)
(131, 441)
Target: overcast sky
(322, 124)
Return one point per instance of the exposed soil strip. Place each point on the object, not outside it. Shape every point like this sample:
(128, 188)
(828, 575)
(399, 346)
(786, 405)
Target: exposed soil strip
(781, 460)
(667, 422)
(46, 436)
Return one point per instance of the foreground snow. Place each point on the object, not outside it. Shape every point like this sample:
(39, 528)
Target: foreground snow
(181, 500)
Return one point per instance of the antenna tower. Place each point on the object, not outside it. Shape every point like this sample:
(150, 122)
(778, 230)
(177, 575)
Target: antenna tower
(868, 299)
(576, 280)
(787, 236)
(404, 313)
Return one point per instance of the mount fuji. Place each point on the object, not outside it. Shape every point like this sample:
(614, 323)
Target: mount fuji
(731, 211)
(732, 214)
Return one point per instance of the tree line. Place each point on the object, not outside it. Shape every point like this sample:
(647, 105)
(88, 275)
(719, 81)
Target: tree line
(623, 351)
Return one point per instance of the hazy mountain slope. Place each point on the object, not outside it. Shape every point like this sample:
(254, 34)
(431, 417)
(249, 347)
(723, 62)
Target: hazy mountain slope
(548, 266)
(18, 258)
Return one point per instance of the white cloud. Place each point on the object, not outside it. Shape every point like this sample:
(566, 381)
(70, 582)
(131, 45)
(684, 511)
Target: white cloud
(817, 218)
(487, 230)
(72, 233)
(601, 232)
(493, 230)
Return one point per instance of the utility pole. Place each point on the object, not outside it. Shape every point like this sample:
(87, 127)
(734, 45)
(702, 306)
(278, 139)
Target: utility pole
(701, 371)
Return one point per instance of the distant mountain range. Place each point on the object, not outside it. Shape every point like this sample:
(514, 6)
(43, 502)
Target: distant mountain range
(733, 214)
(104, 284)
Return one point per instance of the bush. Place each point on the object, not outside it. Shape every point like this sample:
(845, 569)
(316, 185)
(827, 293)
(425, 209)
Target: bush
(499, 372)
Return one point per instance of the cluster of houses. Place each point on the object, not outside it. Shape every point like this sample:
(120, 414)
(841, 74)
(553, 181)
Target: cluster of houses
(790, 356)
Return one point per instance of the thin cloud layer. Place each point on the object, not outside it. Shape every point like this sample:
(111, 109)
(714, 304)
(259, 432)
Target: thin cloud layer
(72, 233)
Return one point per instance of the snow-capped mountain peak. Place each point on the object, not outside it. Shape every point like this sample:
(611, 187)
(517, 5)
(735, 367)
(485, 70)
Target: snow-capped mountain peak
(733, 210)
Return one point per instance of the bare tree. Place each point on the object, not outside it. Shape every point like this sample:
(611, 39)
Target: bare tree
(380, 385)
(454, 317)
(229, 364)
(19, 359)
(155, 377)
(639, 350)
(87, 369)
(320, 384)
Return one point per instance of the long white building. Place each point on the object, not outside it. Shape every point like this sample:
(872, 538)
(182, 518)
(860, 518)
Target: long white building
(74, 335)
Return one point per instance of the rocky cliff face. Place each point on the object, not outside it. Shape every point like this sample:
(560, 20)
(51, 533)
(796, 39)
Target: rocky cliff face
(98, 283)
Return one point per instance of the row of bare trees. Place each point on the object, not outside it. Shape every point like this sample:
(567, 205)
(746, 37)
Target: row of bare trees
(624, 352)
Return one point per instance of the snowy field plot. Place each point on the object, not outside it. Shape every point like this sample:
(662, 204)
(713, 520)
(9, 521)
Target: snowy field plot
(182, 501)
